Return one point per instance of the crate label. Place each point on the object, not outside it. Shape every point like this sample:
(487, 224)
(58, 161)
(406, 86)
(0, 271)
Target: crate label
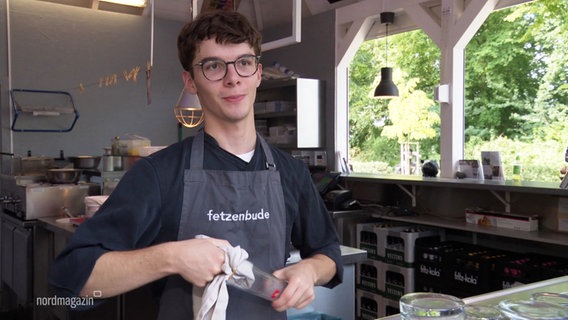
(393, 292)
(466, 278)
(431, 271)
(371, 250)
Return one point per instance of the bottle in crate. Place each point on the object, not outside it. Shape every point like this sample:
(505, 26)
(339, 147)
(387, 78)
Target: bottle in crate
(369, 275)
(368, 305)
(401, 243)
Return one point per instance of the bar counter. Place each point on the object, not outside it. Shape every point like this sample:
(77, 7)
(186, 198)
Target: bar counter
(523, 292)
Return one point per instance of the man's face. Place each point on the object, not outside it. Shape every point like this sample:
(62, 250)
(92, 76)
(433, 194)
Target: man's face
(230, 99)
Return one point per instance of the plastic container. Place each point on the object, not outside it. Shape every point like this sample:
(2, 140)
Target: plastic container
(257, 282)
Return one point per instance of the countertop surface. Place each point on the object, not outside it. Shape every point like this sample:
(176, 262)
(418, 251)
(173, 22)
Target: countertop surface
(523, 292)
(535, 187)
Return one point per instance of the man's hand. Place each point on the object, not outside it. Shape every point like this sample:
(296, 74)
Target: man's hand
(302, 277)
(199, 260)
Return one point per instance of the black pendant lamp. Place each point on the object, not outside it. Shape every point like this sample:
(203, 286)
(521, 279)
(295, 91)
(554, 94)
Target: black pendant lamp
(386, 88)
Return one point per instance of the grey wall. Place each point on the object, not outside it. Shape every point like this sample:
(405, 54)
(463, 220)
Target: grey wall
(59, 47)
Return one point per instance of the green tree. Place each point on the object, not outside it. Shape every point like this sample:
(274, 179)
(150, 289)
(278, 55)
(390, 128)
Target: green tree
(516, 89)
(411, 115)
(501, 78)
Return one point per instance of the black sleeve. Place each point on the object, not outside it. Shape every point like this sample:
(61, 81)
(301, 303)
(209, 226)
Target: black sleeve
(129, 219)
(313, 231)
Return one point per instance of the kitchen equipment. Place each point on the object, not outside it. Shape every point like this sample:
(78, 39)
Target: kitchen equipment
(59, 176)
(85, 162)
(29, 166)
(29, 200)
(43, 111)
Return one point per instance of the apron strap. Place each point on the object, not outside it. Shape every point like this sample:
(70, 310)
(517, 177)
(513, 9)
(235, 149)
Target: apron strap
(270, 165)
(197, 151)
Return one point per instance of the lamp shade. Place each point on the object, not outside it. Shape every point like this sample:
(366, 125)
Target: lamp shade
(188, 110)
(386, 88)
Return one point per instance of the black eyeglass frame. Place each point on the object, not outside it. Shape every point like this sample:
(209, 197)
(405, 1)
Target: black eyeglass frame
(227, 63)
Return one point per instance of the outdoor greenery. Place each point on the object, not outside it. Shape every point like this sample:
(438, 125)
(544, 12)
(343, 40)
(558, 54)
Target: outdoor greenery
(516, 91)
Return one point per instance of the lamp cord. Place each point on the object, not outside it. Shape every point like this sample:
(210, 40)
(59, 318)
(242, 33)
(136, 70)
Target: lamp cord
(387, 46)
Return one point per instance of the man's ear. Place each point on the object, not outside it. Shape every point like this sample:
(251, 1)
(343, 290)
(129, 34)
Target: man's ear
(188, 82)
(259, 72)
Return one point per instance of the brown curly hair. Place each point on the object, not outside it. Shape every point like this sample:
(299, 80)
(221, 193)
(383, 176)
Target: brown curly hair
(223, 25)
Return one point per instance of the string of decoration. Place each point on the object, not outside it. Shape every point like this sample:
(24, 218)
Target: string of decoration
(113, 79)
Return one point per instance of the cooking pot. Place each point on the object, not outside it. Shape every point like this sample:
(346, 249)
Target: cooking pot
(85, 162)
(59, 176)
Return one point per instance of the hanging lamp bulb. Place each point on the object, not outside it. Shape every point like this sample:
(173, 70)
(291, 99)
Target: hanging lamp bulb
(386, 88)
(188, 110)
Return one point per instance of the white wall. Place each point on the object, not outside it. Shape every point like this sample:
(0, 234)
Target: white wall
(59, 47)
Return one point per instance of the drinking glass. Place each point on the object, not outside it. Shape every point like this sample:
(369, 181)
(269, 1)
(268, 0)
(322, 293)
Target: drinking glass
(482, 313)
(551, 297)
(429, 305)
(532, 310)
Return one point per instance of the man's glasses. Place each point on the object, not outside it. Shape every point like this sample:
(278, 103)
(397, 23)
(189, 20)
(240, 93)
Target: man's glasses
(216, 69)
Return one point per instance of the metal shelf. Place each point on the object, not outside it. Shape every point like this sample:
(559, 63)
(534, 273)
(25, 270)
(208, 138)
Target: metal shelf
(542, 236)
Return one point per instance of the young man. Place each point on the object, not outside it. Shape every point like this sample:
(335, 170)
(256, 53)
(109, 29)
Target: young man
(145, 232)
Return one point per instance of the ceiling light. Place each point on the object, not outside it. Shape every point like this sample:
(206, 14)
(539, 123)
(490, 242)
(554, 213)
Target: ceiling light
(188, 110)
(386, 88)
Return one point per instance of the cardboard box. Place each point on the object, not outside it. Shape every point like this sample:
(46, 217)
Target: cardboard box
(502, 219)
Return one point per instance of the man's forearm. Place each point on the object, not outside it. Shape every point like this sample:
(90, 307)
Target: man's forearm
(118, 272)
(324, 268)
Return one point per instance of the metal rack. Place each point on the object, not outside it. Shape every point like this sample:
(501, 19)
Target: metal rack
(43, 111)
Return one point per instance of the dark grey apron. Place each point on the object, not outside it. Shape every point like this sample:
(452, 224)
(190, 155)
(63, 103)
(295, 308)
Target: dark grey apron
(244, 207)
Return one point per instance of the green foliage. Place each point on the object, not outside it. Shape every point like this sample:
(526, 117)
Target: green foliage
(542, 160)
(411, 114)
(516, 91)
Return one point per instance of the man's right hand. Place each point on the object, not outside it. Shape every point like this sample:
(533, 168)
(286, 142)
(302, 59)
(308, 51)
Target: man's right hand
(198, 260)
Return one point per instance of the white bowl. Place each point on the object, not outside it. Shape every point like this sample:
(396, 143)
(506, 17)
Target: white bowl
(146, 151)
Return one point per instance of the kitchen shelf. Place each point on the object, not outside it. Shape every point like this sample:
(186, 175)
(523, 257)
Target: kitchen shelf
(542, 236)
(301, 103)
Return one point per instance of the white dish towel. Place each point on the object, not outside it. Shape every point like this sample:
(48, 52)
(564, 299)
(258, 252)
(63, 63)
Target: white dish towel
(210, 303)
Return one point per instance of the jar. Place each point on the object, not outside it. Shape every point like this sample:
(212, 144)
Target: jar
(108, 161)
